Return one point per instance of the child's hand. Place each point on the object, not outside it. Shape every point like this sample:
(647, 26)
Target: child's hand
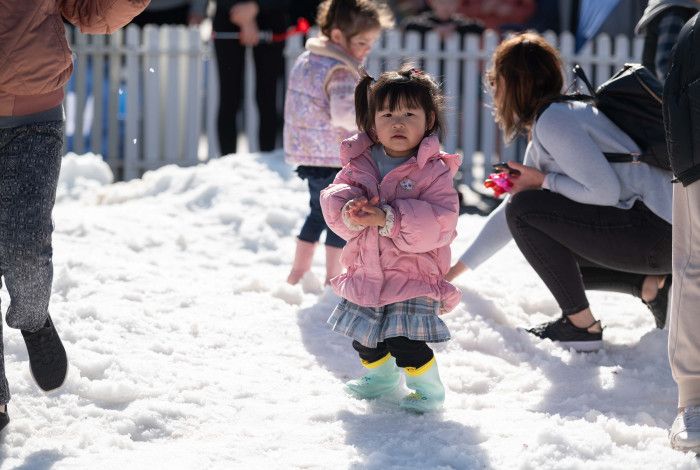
(369, 216)
(365, 212)
(354, 206)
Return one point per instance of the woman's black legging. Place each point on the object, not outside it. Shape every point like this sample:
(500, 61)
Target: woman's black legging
(566, 242)
(269, 66)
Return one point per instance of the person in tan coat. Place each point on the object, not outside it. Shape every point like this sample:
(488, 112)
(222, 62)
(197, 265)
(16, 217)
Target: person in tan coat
(35, 64)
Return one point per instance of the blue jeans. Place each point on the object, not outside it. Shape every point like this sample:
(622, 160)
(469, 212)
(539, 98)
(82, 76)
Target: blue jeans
(573, 246)
(318, 179)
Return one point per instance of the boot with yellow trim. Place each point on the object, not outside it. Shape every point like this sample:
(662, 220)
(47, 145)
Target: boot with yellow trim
(383, 377)
(429, 394)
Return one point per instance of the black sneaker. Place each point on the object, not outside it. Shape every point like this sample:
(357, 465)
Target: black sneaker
(47, 357)
(565, 333)
(659, 306)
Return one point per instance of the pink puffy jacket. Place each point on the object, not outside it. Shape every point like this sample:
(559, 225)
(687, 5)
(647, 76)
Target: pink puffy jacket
(410, 260)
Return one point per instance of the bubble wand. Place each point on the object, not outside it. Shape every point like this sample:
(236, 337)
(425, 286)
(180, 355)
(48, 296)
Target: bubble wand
(302, 27)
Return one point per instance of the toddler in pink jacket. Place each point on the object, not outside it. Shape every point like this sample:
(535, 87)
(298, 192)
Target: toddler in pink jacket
(395, 204)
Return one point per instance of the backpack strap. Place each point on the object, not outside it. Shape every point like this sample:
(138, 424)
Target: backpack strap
(622, 157)
(562, 99)
(612, 157)
(579, 72)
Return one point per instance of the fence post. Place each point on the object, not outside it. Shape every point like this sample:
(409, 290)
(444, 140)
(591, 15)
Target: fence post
(372, 63)
(471, 100)
(212, 101)
(98, 77)
(193, 96)
(622, 50)
(293, 48)
(432, 53)
(172, 144)
(132, 143)
(451, 89)
(637, 48)
(604, 58)
(115, 95)
(82, 65)
(489, 133)
(412, 48)
(567, 45)
(392, 52)
(152, 98)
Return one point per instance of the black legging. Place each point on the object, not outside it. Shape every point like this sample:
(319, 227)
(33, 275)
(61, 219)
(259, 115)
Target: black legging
(408, 352)
(269, 65)
(567, 242)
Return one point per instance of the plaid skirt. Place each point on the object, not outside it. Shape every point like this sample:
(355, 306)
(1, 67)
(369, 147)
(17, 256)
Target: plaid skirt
(415, 319)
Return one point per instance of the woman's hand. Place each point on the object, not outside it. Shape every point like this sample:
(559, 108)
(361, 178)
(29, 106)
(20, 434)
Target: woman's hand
(365, 212)
(250, 34)
(243, 15)
(455, 270)
(529, 177)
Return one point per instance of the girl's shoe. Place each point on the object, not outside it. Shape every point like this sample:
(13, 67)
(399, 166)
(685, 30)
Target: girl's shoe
(429, 394)
(659, 306)
(383, 377)
(303, 257)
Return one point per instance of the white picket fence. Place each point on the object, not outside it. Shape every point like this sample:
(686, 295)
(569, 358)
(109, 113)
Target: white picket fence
(148, 98)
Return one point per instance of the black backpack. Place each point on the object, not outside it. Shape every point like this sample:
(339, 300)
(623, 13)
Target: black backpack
(632, 100)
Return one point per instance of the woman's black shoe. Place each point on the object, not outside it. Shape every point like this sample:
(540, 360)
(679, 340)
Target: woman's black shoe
(568, 335)
(47, 357)
(659, 306)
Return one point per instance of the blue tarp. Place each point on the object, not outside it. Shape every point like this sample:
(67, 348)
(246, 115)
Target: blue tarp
(592, 15)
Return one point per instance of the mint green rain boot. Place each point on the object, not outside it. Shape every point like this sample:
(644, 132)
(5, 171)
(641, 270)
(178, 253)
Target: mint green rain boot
(383, 377)
(429, 394)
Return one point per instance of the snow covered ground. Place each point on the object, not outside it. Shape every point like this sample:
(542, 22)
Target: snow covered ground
(188, 350)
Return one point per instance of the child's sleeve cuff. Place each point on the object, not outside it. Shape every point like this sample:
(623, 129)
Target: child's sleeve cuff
(349, 223)
(388, 228)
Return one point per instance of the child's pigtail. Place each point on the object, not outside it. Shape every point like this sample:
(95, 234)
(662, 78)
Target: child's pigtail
(362, 118)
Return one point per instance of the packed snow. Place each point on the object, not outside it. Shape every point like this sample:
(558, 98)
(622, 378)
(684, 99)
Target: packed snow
(188, 350)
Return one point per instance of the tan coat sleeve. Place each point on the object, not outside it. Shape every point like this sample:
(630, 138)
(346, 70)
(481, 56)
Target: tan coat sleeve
(101, 16)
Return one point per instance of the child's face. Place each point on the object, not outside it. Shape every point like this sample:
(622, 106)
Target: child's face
(359, 45)
(400, 131)
(444, 9)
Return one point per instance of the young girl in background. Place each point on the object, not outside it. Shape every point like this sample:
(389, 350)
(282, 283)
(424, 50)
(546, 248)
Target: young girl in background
(319, 112)
(395, 204)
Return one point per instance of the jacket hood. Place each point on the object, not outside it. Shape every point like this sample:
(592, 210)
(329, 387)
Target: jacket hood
(657, 6)
(324, 47)
(429, 149)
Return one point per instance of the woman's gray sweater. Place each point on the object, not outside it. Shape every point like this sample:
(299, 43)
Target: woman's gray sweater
(568, 141)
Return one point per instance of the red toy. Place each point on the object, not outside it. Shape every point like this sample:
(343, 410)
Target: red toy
(499, 183)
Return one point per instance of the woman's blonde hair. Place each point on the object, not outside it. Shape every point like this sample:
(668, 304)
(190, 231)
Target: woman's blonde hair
(353, 17)
(530, 71)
